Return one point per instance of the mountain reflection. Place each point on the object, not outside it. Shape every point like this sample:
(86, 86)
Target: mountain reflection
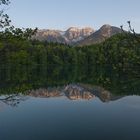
(75, 92)
(71, 91)
(21, 82)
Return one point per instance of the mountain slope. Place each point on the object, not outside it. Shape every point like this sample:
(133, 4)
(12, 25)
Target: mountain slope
(50, 36)
(69, 36)
(105, 32)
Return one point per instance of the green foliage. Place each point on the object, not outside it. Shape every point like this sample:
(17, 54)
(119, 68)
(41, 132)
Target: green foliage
(32, 64)
(23, 60)
(22, 79)
(16, 48)
(121, 50)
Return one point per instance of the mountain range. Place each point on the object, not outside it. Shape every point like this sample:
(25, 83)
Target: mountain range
(70, 36)
(78, 36)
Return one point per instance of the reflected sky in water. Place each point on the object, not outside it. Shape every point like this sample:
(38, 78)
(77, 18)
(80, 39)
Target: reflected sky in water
(48, 105)
(61, 118)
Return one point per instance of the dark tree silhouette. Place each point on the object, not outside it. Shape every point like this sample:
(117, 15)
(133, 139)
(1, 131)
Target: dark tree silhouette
(4, 18)
(122, 28)
(4, 2)
(13, 100)
(130, 27)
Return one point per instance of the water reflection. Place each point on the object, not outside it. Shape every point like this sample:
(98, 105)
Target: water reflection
(71, 92)
(20, 79)
(55, 81)
(12, 100)
(69, 103)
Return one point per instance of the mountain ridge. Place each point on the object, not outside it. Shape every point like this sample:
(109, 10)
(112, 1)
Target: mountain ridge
(78, 36)
(70, 36)
(105, 32)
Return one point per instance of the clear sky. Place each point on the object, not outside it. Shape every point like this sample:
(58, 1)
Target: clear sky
(61, 14)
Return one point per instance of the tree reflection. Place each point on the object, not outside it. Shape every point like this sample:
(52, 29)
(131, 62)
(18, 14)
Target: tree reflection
(12, 100)
(51, 82)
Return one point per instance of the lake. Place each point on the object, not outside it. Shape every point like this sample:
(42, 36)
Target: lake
(69, 103)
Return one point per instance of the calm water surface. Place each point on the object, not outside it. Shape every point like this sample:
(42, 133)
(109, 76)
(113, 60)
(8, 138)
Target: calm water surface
(106, 110)
(60, 118)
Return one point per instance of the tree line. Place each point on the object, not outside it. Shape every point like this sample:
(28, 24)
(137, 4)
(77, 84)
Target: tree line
(17, 49)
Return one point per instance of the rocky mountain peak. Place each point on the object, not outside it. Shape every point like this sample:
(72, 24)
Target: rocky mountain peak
(78, 36)
(105, 32)
(106, 26)
(70, 36)
(75, 34)
(73, 29)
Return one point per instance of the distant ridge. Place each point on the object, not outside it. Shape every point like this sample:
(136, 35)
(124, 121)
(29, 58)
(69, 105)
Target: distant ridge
(70, 36)
(105, 32)
(78, 36)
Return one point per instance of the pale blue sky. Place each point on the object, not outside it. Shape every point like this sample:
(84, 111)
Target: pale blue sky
(61, 14)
